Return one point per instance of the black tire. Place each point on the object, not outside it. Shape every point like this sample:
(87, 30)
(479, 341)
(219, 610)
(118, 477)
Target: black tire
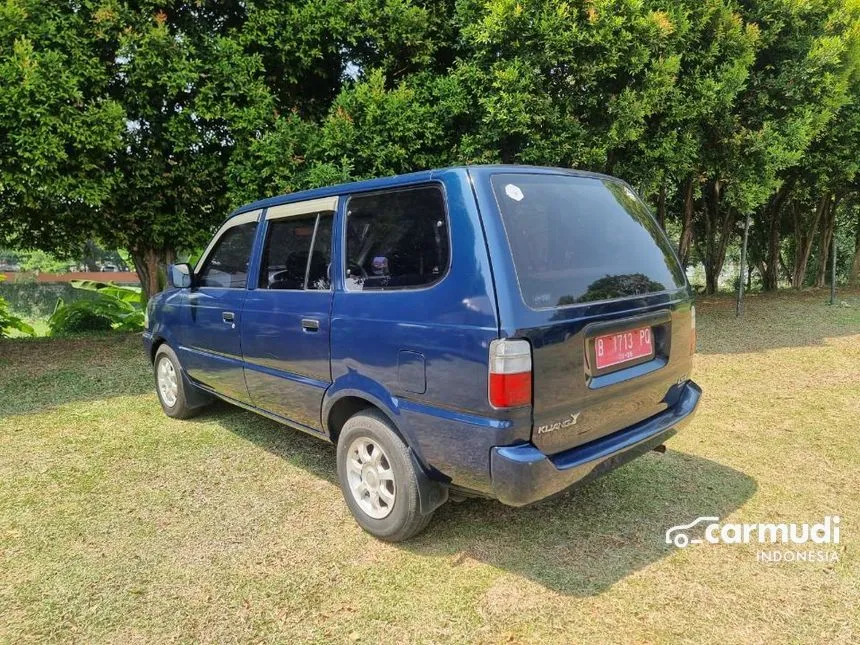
(180, 408)
(404, 519)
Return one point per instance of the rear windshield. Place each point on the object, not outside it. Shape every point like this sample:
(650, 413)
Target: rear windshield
(581, 239)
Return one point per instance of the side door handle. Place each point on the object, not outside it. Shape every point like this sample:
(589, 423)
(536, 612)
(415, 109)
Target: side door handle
(310, 324)
(229, 317)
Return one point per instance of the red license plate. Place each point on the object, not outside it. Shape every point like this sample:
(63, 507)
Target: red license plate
(615, 349)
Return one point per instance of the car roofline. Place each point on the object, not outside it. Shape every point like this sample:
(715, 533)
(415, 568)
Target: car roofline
(393, 181)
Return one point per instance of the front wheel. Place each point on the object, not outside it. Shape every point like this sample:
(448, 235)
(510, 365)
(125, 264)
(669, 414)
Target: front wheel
(378, 478)
(169, 384)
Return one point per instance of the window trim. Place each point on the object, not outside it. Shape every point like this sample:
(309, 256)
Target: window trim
(294, 209)
(387, 191)
(237, 220)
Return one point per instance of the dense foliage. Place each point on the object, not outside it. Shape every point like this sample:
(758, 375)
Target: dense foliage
(9, 322)
(114, 307)
(77, 318)
(141, 123)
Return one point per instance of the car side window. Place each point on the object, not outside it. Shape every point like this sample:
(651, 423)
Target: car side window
(396, 239)
(227, 265)
(297, 253)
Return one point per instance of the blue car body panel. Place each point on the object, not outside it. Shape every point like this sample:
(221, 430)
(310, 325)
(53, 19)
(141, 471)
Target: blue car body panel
(210, 349)
(421, 355)
(287, 366)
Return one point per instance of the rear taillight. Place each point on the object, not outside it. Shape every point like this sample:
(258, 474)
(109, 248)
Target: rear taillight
(692, 330)
(510, 373)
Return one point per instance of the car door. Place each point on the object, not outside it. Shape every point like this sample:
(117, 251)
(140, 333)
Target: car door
(210, 341)
(285, 333)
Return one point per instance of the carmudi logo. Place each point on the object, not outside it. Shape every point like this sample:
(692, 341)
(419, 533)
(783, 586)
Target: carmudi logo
(802, 533)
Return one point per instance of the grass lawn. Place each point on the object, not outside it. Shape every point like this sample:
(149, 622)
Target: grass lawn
(119, 524)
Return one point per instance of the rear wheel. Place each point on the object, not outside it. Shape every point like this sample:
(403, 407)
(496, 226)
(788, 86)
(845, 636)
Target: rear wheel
(378, 478)
(169, 384)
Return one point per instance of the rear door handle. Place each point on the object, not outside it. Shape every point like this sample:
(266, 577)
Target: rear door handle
(228, 317)
(309, 324)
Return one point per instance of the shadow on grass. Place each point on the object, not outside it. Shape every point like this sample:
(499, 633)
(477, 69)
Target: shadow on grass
(579, 542)
(775, 320)
(40, 373)
(300, 449)
(586, 539)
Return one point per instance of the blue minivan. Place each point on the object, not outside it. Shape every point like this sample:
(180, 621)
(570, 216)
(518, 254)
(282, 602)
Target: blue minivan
(496, 331)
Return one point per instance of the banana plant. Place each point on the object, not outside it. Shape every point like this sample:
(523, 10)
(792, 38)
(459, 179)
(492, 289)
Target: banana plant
(10, 322)
(115, 307)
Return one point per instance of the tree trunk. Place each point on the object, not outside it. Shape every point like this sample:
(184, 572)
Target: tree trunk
(661, 207)
(711, 280)
(804, 238)
(686, 239)
(828, 226)
(148, 262)
(770, 275)
(89, 259)
(854, 272)
(786, 272)
(772, 217)
(718, 230)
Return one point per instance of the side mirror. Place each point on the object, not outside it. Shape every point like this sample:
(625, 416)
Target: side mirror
(179, 275)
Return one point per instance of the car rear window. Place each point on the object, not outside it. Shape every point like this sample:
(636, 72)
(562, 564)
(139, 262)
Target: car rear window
(582, 239)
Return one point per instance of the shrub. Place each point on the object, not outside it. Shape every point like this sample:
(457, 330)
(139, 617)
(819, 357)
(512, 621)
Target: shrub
(10, 322)
(77, 317)
(39, 299)
(115, 307)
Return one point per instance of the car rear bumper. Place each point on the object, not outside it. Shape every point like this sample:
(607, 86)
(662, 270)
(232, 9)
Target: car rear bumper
(522, 474)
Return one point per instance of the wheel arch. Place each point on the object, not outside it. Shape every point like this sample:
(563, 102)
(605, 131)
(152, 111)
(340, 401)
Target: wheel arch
(161, 335)
(157, 341)
(431, 492)
(195, 396)
(347, 403)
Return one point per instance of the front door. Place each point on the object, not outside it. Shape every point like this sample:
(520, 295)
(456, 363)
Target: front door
(210, 347)
(285, 330)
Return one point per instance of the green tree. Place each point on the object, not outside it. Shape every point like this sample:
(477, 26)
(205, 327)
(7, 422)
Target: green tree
(828, 174)
(717, 50)
(386, 106)
(801, 81)
(140, 124)
(58, 125)
(853, 217)
(122, 117)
